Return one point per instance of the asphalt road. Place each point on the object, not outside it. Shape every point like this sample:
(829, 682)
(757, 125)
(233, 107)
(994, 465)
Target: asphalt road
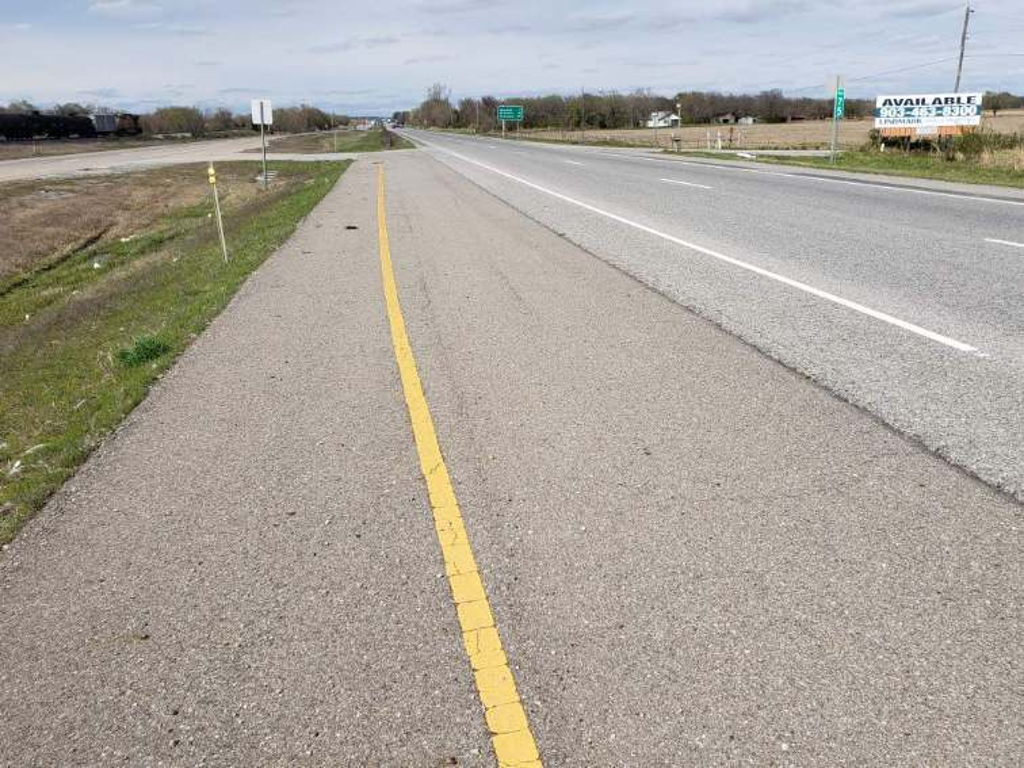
(693, 554)
(946, 259)
(138, 158)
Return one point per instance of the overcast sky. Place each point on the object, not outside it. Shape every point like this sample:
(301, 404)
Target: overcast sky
(375, 57)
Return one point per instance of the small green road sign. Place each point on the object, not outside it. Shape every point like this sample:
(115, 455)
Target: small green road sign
(509, 112)
(840, 107)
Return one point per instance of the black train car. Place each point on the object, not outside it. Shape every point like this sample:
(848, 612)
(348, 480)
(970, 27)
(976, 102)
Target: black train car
(35, 126)
(128, 124)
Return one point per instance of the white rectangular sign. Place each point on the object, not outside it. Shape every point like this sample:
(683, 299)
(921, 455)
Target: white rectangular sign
(930, 110)
(262, 114)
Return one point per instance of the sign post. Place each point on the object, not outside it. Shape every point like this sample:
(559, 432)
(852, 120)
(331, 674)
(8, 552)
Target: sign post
(216, 204)
(263, 115)
(509, 112)
(838, 110)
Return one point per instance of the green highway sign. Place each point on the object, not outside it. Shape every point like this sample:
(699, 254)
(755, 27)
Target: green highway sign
(840, 107)
(507, 112)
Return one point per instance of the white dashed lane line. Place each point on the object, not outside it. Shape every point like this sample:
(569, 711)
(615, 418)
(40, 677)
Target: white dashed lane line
(686, 183)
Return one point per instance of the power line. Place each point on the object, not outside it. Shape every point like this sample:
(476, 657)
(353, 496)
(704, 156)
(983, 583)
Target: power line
(909, 68)
(904, 69)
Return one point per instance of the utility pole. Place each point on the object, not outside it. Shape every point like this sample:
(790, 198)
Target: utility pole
(477, 115)
(963, 44)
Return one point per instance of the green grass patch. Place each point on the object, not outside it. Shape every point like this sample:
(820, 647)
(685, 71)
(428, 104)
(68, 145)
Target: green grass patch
(145, 349)
(81, 344)
(339, 141)
(894, 163)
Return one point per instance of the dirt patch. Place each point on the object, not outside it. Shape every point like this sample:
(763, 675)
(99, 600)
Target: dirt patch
(43, 222)
(16, 150)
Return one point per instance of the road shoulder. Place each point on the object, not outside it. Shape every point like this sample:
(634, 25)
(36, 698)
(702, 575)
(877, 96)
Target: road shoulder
(247, 573)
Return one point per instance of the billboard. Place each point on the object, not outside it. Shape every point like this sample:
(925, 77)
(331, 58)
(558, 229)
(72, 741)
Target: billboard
(927, 114)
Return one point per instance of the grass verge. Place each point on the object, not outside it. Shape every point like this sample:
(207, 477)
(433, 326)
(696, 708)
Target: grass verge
(337, 141)
(83, 339)
(571, 137)
(894, 164)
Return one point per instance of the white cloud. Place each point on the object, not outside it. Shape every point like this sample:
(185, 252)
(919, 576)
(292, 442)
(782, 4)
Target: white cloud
(185, 30)
(125, 9)
(352, 43)
(390, 52)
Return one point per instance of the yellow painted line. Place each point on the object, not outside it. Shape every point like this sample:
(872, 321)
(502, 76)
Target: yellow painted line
(513, 742)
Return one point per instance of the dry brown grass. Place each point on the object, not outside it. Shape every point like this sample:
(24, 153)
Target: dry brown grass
(811, 134)
(45, 221)
(1010, 159)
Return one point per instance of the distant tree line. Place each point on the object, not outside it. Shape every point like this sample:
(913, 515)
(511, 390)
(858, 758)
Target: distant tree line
(767, 106)
(631, 110)
(1002, 100)
(594, 110)
(197, 122)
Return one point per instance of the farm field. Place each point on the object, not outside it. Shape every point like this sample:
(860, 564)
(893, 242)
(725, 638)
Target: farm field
(103, 281)
(810, 134)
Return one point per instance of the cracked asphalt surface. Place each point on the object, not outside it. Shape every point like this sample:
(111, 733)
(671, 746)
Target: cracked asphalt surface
(914, 249)
(694, 554)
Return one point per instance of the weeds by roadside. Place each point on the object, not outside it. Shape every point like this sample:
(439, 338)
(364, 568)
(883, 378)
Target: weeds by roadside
(83, 337)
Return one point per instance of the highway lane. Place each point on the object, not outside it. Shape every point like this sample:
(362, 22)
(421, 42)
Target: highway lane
(890, 293)
(123, 159)
(692, 555)
(138, 158)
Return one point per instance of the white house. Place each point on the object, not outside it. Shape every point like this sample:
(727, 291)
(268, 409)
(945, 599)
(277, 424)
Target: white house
(663, 120)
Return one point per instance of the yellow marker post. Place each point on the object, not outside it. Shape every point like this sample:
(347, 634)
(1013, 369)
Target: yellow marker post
(511, 738)
(216, 204)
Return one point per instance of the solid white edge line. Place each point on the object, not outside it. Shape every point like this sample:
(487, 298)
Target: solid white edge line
(853, 182)
(686, 183)
(572, 162)
(1004, 242)
(856, 307)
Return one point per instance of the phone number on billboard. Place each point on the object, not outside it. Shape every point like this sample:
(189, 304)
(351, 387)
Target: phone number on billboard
(949, 110)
